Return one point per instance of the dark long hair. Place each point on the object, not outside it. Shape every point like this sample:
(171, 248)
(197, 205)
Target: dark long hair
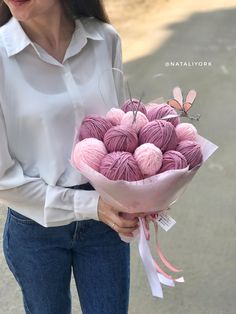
(75, 8)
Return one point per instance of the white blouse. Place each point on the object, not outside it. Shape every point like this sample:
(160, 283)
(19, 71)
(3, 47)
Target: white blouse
(41, 103)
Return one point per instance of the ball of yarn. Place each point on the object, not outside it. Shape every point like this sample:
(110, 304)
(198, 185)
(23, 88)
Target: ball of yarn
(149, 159)
(140, 120)
(173, 160)
(186, 131)
(160, 133)
(90, 151)
(129, 105)
(120, 166)
(94, 126)
(121, 138)
(161, 111)
(114, 115)
(191, 151)
(151, 105)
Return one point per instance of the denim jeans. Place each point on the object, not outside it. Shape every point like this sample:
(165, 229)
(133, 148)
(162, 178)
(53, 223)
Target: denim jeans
(41, 260)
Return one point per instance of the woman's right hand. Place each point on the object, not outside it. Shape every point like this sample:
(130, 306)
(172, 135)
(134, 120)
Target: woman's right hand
(112, 217)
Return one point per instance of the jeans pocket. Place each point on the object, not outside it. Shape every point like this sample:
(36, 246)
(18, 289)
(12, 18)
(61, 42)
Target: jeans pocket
(20, 218)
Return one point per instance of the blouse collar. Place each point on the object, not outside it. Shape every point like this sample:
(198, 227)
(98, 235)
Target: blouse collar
(15, 39)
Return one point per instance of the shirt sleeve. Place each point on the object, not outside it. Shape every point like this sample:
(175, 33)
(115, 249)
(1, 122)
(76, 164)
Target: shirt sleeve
(118, 64)
(34, 198)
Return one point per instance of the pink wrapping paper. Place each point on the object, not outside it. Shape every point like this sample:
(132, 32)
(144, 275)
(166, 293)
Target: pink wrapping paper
(151, 194)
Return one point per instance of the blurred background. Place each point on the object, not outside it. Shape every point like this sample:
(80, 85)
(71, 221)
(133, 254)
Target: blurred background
(191, 44)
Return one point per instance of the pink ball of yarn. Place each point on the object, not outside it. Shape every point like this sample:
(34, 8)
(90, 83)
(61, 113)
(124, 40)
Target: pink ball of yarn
(149, 159)
(186, 131)
(191, 151)
(90, 151)
(129, 105)
(173, 160)
(94, 126)
(114, 115)
(160, 133)
(140, 120)
(120, 166)
(161, 111)
(151, 105)
(121, 138)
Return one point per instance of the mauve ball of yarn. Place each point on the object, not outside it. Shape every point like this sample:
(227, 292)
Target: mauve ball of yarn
(186, 131)
(114, 115)
(129, 105)
(151, 105)
(90, 151)
(120, 166)
(160, 133)
(191, 151)
(121, 138)
(94, 126)
(161, 111)
(140, 120)
(149, 159)
(173, 160)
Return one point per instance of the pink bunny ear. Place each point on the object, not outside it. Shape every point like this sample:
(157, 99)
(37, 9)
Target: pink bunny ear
(174, 104)
(191, 96)
(178, 95)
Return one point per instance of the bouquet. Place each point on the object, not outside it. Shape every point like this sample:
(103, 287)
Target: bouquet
(140, 158)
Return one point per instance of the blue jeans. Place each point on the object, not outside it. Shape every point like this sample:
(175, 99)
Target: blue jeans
(41, 260)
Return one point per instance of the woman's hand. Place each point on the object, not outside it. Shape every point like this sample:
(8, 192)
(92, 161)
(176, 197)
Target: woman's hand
(111, 216)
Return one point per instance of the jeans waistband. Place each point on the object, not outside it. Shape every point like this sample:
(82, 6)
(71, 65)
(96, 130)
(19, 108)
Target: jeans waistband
(85, 186)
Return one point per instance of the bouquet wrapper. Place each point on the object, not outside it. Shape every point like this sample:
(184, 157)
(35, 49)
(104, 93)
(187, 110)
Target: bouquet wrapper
(152, 194)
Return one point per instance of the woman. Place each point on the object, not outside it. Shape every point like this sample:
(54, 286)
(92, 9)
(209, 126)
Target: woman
(53, 57)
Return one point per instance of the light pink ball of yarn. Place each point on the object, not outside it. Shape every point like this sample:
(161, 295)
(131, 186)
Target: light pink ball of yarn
(114, 115)
(186, 131)
(90, 151)
(149, 159)
(140, 120)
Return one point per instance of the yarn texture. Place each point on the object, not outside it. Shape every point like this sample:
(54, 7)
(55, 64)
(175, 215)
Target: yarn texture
(151, 105)
(121, 138)
(173, 160)
(161, 111)
(120, 166)
(90, 151)
(191, 151)
(149, 159)
(114, 115)
(186, 131)
(129, 105)
(160, 133)
(138, 123)
(94, 126)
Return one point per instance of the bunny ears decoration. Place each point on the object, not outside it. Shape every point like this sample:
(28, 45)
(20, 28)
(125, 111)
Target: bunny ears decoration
(183, 107)
(177, 102)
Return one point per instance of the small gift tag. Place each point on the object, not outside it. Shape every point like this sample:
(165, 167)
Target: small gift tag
(165, 221)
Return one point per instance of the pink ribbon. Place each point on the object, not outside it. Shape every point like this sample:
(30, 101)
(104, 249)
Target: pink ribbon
(155, 274)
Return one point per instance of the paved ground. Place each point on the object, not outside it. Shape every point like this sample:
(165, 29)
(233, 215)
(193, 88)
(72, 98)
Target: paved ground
(204, 238)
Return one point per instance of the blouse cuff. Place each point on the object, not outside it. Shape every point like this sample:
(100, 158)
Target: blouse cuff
(86, 204)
